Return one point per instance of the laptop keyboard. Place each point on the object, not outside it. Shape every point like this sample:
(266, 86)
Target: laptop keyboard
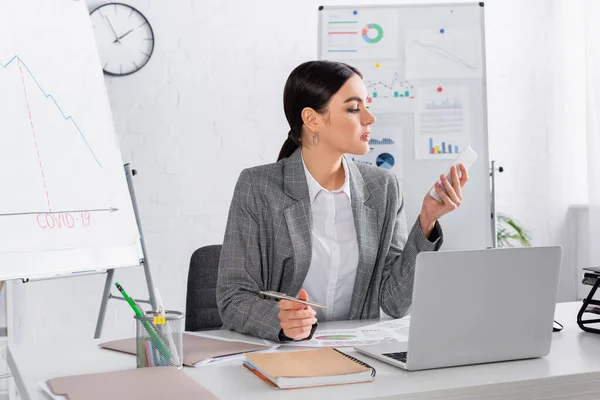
(397, 356)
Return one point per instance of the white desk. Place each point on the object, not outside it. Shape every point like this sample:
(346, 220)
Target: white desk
(571, 371)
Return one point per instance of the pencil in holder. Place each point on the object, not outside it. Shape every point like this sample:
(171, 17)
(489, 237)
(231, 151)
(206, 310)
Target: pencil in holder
(159, 339)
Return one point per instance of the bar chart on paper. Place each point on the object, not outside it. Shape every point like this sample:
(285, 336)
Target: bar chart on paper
(381, 141)
(66, 204)
(442, 148)
(442, 123)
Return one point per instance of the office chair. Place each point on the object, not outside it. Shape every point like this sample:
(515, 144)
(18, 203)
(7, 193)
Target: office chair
(201, 312)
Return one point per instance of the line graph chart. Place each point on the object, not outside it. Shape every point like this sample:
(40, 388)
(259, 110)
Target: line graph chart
(387, 90)
(435, 49)
(455, 53)
(50, 97)
(65, 202)
(53, 145)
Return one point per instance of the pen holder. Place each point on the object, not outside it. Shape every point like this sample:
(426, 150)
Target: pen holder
(159, 339)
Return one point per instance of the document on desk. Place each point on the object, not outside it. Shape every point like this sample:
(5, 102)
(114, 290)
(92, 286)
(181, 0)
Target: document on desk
(399, 326)
(351, 337)
(392, 331)
(198, 349)
(232, 336)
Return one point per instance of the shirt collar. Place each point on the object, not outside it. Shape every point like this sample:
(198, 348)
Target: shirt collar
(314, 188)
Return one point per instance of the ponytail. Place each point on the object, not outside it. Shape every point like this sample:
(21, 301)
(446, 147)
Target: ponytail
(289, 146)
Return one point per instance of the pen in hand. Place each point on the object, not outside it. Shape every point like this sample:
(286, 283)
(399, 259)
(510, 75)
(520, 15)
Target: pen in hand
(296, 319)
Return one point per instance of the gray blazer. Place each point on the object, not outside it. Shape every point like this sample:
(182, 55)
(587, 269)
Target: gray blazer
(267, 245)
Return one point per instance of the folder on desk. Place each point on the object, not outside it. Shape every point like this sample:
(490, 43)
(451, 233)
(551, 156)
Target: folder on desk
(308, 368)
(157, 383)
(197, 350)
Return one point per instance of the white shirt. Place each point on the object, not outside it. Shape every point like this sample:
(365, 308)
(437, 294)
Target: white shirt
(332, 272)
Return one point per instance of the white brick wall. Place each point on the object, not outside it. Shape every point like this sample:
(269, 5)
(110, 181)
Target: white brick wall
(209, 103)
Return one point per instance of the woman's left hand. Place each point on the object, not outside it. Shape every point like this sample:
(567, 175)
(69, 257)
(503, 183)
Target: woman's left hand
(432, 210)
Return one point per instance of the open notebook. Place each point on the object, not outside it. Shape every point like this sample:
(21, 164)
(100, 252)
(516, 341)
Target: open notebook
(296, 369)
(197, 350)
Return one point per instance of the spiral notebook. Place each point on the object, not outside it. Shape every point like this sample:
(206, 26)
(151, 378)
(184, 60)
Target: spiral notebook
(307, 368)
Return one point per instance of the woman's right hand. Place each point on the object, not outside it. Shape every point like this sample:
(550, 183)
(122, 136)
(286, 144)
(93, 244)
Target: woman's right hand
(296, 319)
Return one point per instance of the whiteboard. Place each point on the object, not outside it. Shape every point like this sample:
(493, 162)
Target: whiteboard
(424, 69)
(65, 204)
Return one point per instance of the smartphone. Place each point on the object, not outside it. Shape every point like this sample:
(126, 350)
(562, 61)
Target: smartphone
(284, 296)
(466, 157)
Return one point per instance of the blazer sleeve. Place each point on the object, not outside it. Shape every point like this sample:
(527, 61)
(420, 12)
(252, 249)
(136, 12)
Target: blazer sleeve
(399, 271)
(240, 279)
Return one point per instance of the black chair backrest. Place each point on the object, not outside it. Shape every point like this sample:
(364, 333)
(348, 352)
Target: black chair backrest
(201, 312)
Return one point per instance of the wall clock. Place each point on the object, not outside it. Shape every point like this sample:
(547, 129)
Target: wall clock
(124, 38)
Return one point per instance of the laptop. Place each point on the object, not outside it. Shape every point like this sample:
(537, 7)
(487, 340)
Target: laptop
(478, 306)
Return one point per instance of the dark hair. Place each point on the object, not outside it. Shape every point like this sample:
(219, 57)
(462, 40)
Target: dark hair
(311, 84)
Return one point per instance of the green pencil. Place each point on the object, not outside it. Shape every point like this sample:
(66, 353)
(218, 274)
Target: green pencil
(151, 331)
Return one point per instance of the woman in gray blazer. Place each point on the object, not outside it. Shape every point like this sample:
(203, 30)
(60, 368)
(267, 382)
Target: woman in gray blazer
(315, 223)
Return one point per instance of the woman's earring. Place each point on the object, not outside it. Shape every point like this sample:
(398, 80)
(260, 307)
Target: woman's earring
(315, 139)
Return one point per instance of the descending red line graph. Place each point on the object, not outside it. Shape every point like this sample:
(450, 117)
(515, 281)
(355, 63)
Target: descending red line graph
(44, 186)
(39, 157)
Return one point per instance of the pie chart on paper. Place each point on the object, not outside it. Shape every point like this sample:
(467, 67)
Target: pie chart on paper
(385, 160)
(372, 33)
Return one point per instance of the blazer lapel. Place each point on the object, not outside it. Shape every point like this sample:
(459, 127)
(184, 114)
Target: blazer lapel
(298, 217)
(367, 232)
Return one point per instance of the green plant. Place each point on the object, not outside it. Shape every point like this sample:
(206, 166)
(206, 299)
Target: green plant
(509, 232)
